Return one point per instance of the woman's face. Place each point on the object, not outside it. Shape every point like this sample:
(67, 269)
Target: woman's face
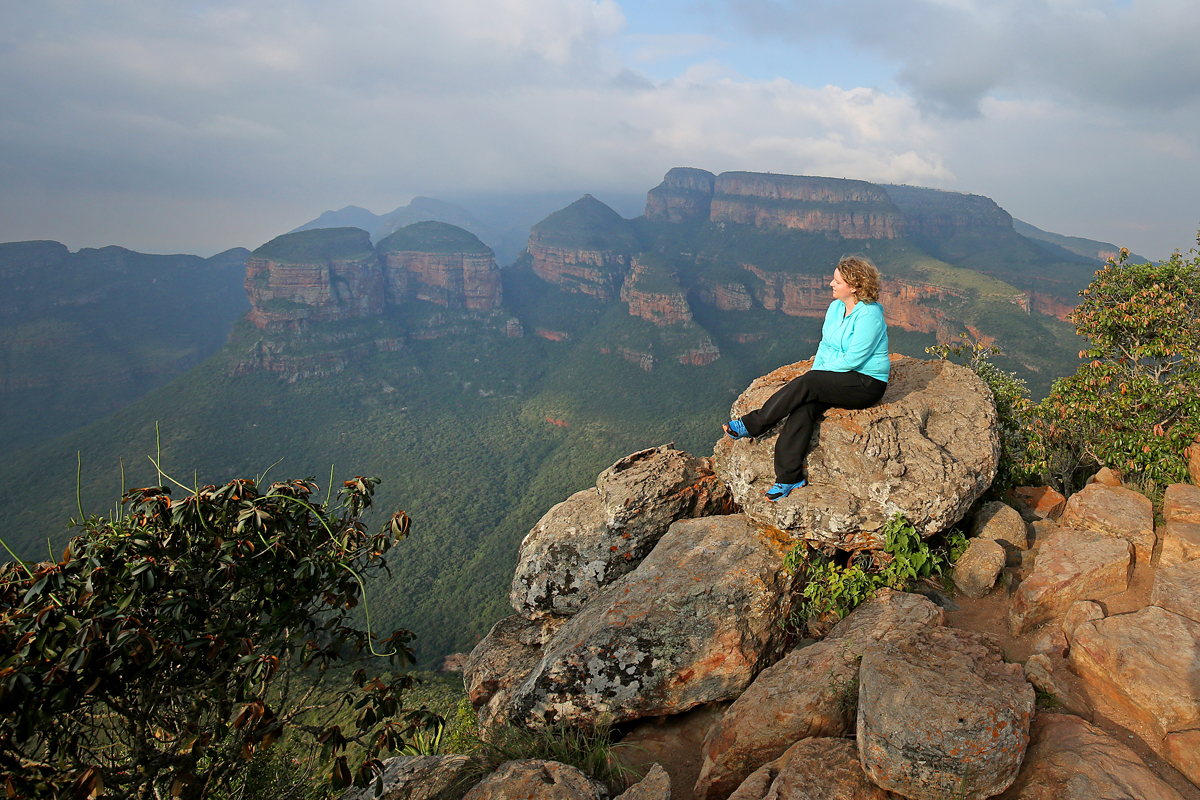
(841, 290)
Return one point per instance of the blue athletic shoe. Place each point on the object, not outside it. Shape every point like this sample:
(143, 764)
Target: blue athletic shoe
(736, 429)
(782, 490)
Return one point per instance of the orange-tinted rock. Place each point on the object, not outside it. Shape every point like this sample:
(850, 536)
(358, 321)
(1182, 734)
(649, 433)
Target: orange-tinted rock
(852, 209)
(812, 769)
(530, 779)
(1108, 477)
(1177, 589)
(596, 273)
(1147, 662)
(1071, 565)
(1182, 749)
(1114, 511)
(1051, 306)
(584, 248)
(1070, 759)
(1039, 502)
(1193, 455)
(654, 294)
(1181, 503)
(453, 280)
(1180, 543)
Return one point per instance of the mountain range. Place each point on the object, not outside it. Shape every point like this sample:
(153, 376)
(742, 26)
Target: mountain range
(483, 395)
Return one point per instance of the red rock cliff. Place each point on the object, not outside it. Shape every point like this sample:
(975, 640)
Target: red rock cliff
(852, 209)
(453, 280)
(598, 273)
(318, 291)
(653, 293)
(685, 193)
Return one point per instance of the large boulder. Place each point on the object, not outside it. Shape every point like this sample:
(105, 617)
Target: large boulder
(597, 535)
(811, 692)
(812, 769)
(976, 569)
(1181, 503)
(1180, 543)
(532, 779)
(1071, 565)
(927, 450)
(655, 786)
(693, 623)
(942, 716)
(1114, 511)
(1069, 759)
(1001, 523)
(1147, 662)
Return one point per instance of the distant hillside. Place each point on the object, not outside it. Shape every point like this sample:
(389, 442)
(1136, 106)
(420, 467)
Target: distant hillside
(1093, 251)
(83, 334)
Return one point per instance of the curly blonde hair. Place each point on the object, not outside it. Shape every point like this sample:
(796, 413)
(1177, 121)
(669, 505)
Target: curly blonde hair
(862, 275)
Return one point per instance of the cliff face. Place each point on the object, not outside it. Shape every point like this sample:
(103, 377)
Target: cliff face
(584, 248)
(911, 306)
(1050, 306)
(442, 264)
(596, 273)
(940, 215)
(852, 209)
(685, 193)
(724, 295)
(654, 294)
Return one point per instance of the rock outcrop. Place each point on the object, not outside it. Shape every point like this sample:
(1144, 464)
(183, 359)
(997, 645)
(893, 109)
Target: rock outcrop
(685, 193)
(812, 769)
(534, 779)
(693, 623)
(441, 264)
(321, 275)
(585, 248)
(1069, 759)
(597, 535)
(421, 778)
(653, 293)
(927, 450)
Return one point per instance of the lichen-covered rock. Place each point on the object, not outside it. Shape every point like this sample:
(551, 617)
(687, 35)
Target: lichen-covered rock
(695, 622)
(813, 691)
(941, 715)
(1071, 565)
(1114, 511)
(597, 535)
(812, 769)
(1001, 523)
(1177, 589)
(927, 450)
(976, 569)
(500, 661)
(531, 779)
(1069, 759)
(655, 786)
(1147, 662)
(422, 778)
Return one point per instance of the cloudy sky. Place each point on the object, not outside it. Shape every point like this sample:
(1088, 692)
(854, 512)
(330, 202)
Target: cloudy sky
(171, 126)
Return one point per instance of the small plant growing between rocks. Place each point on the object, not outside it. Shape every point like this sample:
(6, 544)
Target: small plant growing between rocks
(834, 588)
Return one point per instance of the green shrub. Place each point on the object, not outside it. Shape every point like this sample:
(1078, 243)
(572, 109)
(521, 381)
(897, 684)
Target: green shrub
(171, 644)
(1134, 405)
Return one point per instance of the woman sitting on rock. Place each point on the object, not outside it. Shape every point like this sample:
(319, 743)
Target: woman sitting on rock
(850, 371)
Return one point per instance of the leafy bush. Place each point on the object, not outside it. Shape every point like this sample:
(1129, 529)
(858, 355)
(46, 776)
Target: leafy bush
(831, 589)
(170, 645)
(1134, 405)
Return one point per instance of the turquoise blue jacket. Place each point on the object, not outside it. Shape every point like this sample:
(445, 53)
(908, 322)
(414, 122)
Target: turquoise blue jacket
(854, 343)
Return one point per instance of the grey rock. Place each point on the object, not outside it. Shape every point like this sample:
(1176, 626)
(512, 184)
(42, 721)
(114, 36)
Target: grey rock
(1001, 523)
(501, 661)
(927, 451)
(941, 715)
(422, 778)
(976, 569)
(531, 779)
(597, 535)
(695, 622)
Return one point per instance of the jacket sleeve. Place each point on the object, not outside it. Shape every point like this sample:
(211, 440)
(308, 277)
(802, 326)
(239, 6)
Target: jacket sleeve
(864, 340)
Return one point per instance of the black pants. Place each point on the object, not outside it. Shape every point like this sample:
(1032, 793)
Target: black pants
(803, 401)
